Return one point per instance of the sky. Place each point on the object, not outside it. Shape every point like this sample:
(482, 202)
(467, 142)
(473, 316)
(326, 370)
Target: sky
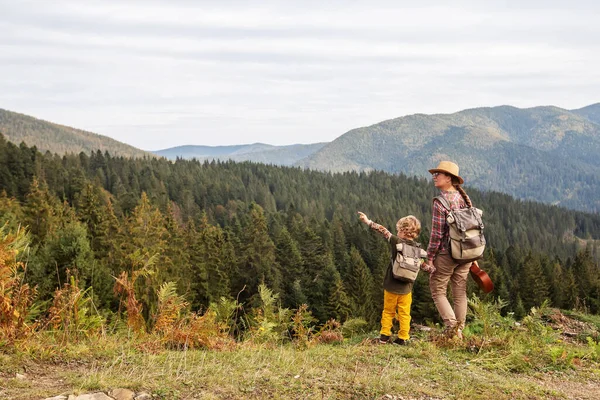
(159, 74)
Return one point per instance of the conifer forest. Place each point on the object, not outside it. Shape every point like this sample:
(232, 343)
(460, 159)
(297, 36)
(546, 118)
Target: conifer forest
(211, 231)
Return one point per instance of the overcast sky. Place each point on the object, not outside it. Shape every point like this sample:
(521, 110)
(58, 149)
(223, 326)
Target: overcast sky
(158, 74)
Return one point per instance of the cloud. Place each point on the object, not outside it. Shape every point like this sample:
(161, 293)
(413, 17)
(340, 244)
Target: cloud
(158, 74)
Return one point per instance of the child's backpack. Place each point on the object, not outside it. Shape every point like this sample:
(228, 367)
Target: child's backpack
(406, 264)
(467, 242)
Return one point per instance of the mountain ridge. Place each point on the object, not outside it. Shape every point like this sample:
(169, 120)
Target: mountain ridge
(493, 145)
(257, 152)
(541, 153)
(60, 139)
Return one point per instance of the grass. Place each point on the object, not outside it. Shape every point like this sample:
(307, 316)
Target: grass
(353, 369)
(498, 359)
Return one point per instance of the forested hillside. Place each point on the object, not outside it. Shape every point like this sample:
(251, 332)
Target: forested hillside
(591, 112)
(220, 229)
(55, 138)
(545, 154)
(258, 152)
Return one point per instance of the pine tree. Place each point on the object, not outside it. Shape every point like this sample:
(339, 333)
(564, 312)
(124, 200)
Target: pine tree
(290, 260)
(259, 263)
(569, 289)
(360, 287)
(338, 302)
(557, 285)
(196, 282)
(143, 246)
(340, 247)
(587, 278)
(218, 255)
(534, 289)
(40, 211)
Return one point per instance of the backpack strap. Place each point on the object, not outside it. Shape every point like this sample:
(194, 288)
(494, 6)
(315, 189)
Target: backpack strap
(443, 202)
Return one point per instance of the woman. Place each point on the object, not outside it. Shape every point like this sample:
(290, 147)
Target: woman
(439, 263)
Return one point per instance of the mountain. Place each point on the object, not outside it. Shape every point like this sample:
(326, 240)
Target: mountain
(545, 154)
(48, 136)
(257, 152)
(591, 112)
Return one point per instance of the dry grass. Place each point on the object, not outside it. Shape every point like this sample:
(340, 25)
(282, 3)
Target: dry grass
(353, 369)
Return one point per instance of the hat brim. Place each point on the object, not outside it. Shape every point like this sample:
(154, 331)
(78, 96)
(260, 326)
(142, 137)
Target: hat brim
(460, 180)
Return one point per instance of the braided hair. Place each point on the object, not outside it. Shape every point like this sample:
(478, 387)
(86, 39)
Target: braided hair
(462, 192)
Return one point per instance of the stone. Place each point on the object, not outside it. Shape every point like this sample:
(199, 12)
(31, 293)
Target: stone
(143, 396)
(93, 396)
(60, 397)
(122, 394)
(20, 376)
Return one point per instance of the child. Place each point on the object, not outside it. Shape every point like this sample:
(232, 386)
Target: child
(397, 295)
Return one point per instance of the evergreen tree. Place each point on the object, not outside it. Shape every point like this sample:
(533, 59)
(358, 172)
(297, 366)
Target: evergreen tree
(569, 289)
(360, 287)
(557, 285)
(40, 212)
(534, 289)
(587, 277)
(218, 254)
(259, 263)
(338, 302)
(290, 260)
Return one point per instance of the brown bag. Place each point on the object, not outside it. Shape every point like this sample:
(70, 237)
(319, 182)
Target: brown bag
(467, 242)
(406, 265)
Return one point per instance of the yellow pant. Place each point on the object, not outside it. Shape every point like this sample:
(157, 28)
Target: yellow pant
(396, 304)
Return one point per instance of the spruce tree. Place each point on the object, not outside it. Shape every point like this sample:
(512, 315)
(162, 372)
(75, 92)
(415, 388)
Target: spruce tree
(534, 289)
(258, 261)
(360, 287)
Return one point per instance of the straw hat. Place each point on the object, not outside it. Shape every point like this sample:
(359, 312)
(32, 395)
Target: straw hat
(448, 167)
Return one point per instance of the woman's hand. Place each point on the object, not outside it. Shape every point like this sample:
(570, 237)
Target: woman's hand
(364, 218)
(428, 266)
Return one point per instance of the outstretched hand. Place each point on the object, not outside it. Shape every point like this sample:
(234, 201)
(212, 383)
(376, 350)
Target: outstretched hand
(363, 217)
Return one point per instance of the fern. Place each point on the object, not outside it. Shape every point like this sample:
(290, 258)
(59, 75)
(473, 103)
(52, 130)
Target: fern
(16, 297)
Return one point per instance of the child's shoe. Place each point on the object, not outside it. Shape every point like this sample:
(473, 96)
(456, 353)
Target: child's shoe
(400, 342)
(384, 339)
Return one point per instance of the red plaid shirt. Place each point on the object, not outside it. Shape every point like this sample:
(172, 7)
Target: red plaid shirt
(382, 230)
(439, 229)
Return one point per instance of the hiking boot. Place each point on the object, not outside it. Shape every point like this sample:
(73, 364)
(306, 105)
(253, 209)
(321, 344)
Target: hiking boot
(452, 332)
(384, 339)
(401, 342)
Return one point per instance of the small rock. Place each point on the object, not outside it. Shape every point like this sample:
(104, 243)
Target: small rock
(72, 397)
(143, 396)
(20, 376)
(60, 397)
(122, 394)
(93, 396)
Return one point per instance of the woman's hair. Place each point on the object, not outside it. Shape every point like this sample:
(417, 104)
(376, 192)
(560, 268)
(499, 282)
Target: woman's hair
(409, 225)
(462, 192)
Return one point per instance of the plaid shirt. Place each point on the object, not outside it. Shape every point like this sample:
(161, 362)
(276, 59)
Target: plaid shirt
(440, 235)
(382, 230)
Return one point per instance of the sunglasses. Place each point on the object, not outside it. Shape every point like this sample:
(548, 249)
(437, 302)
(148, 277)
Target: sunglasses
(437, 173)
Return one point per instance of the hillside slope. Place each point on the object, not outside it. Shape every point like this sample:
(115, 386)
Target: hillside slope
(543, 153)
(257, 152)
(60, 139)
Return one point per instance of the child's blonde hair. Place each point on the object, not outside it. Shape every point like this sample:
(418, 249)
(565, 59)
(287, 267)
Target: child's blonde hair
(410, 226)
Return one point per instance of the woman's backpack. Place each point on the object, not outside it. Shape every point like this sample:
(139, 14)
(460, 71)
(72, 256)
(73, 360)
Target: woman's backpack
(406, 264)
(467, 242)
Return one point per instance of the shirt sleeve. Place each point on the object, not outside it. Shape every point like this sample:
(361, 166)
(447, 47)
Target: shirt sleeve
(437, 229)
(380, 229)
